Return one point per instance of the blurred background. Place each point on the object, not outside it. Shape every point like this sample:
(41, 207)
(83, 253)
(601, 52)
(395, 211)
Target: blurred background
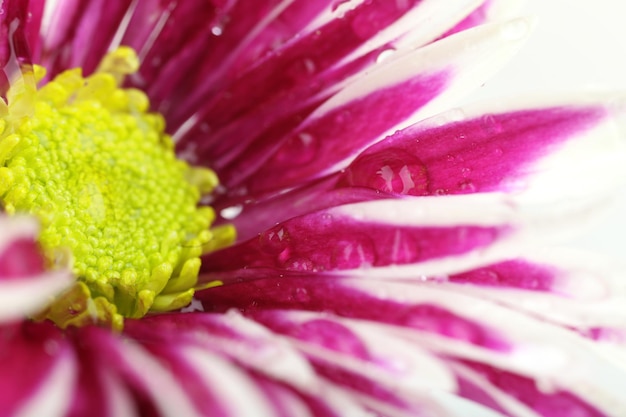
(576, 46)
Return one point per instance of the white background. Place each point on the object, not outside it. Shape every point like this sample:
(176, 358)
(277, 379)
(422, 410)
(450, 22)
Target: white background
(577, 45)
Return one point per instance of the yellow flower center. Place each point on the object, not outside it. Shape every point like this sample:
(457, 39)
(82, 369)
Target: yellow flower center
(96, 168)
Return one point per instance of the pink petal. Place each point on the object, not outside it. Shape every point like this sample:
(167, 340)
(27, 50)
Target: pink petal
(319, 144)
(553, 403)
(460, 152)
(143, 375)
(328, 241)
(25, 285)
(37, 370)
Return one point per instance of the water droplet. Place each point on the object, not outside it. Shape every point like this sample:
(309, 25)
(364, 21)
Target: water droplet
(467, 187)
(275, 241)
(491, 126)
(231, 212)
(301, 148)
(336, 4)
(299, 264)
(385, 55)
(217, 30)
(358, 252)
(301, 295)
(392, 171)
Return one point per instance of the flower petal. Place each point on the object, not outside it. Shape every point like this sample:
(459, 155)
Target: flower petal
(321, 143)
(37, 371)
(313, 60)
(213, 349)
(519, 147)
(375, 234)
(460, 327)
(25, 285)
(141, 373)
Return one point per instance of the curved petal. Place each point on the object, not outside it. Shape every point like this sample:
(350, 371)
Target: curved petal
(512, 147)
(426, 79)
(469, 331)
(25, 285)
(37, 371)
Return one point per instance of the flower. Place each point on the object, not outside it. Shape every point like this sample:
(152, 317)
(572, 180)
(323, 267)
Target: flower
(390, 258)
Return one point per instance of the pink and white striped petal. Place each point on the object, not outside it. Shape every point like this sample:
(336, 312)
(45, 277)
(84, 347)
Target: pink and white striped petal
(264, 368)
(295, 74)
(25, 284)
(400, 238)
(520, 147)
(37, 371)
(572, 289)
(432, 75)
(143, 375)
(465, 326)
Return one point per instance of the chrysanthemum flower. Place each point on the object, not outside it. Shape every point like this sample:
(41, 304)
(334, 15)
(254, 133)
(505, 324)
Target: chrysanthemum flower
(388, 258)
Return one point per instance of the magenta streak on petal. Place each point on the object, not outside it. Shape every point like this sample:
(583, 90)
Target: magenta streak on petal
(279, 111)
(244, 143)
(360, 383)
(334, 336)
(321, 242)
(322, 143)
(243, 46)
(223, 52)
(90, 392)
(326, 334)
(168, 352)
(105, 347)
(185, 327)
(168, 53)
(28, 353)
(283, 396)
(80, 34)
(517, 274)
(477, 17)
(478, 155)
(556, 404)
(297, 61)
(258, 298)
(32, 29)
(21, 259)
(14, 52)
(258, 216)
(208, 332)
(482, 154)
(609, 334)
(469, 390)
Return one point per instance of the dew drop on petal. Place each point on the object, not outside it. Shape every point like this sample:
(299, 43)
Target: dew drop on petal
(490, 125)
(394, 171)
(467, 187)
(231, 212)
(301, 295)
(355, 253)
(385, 55)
